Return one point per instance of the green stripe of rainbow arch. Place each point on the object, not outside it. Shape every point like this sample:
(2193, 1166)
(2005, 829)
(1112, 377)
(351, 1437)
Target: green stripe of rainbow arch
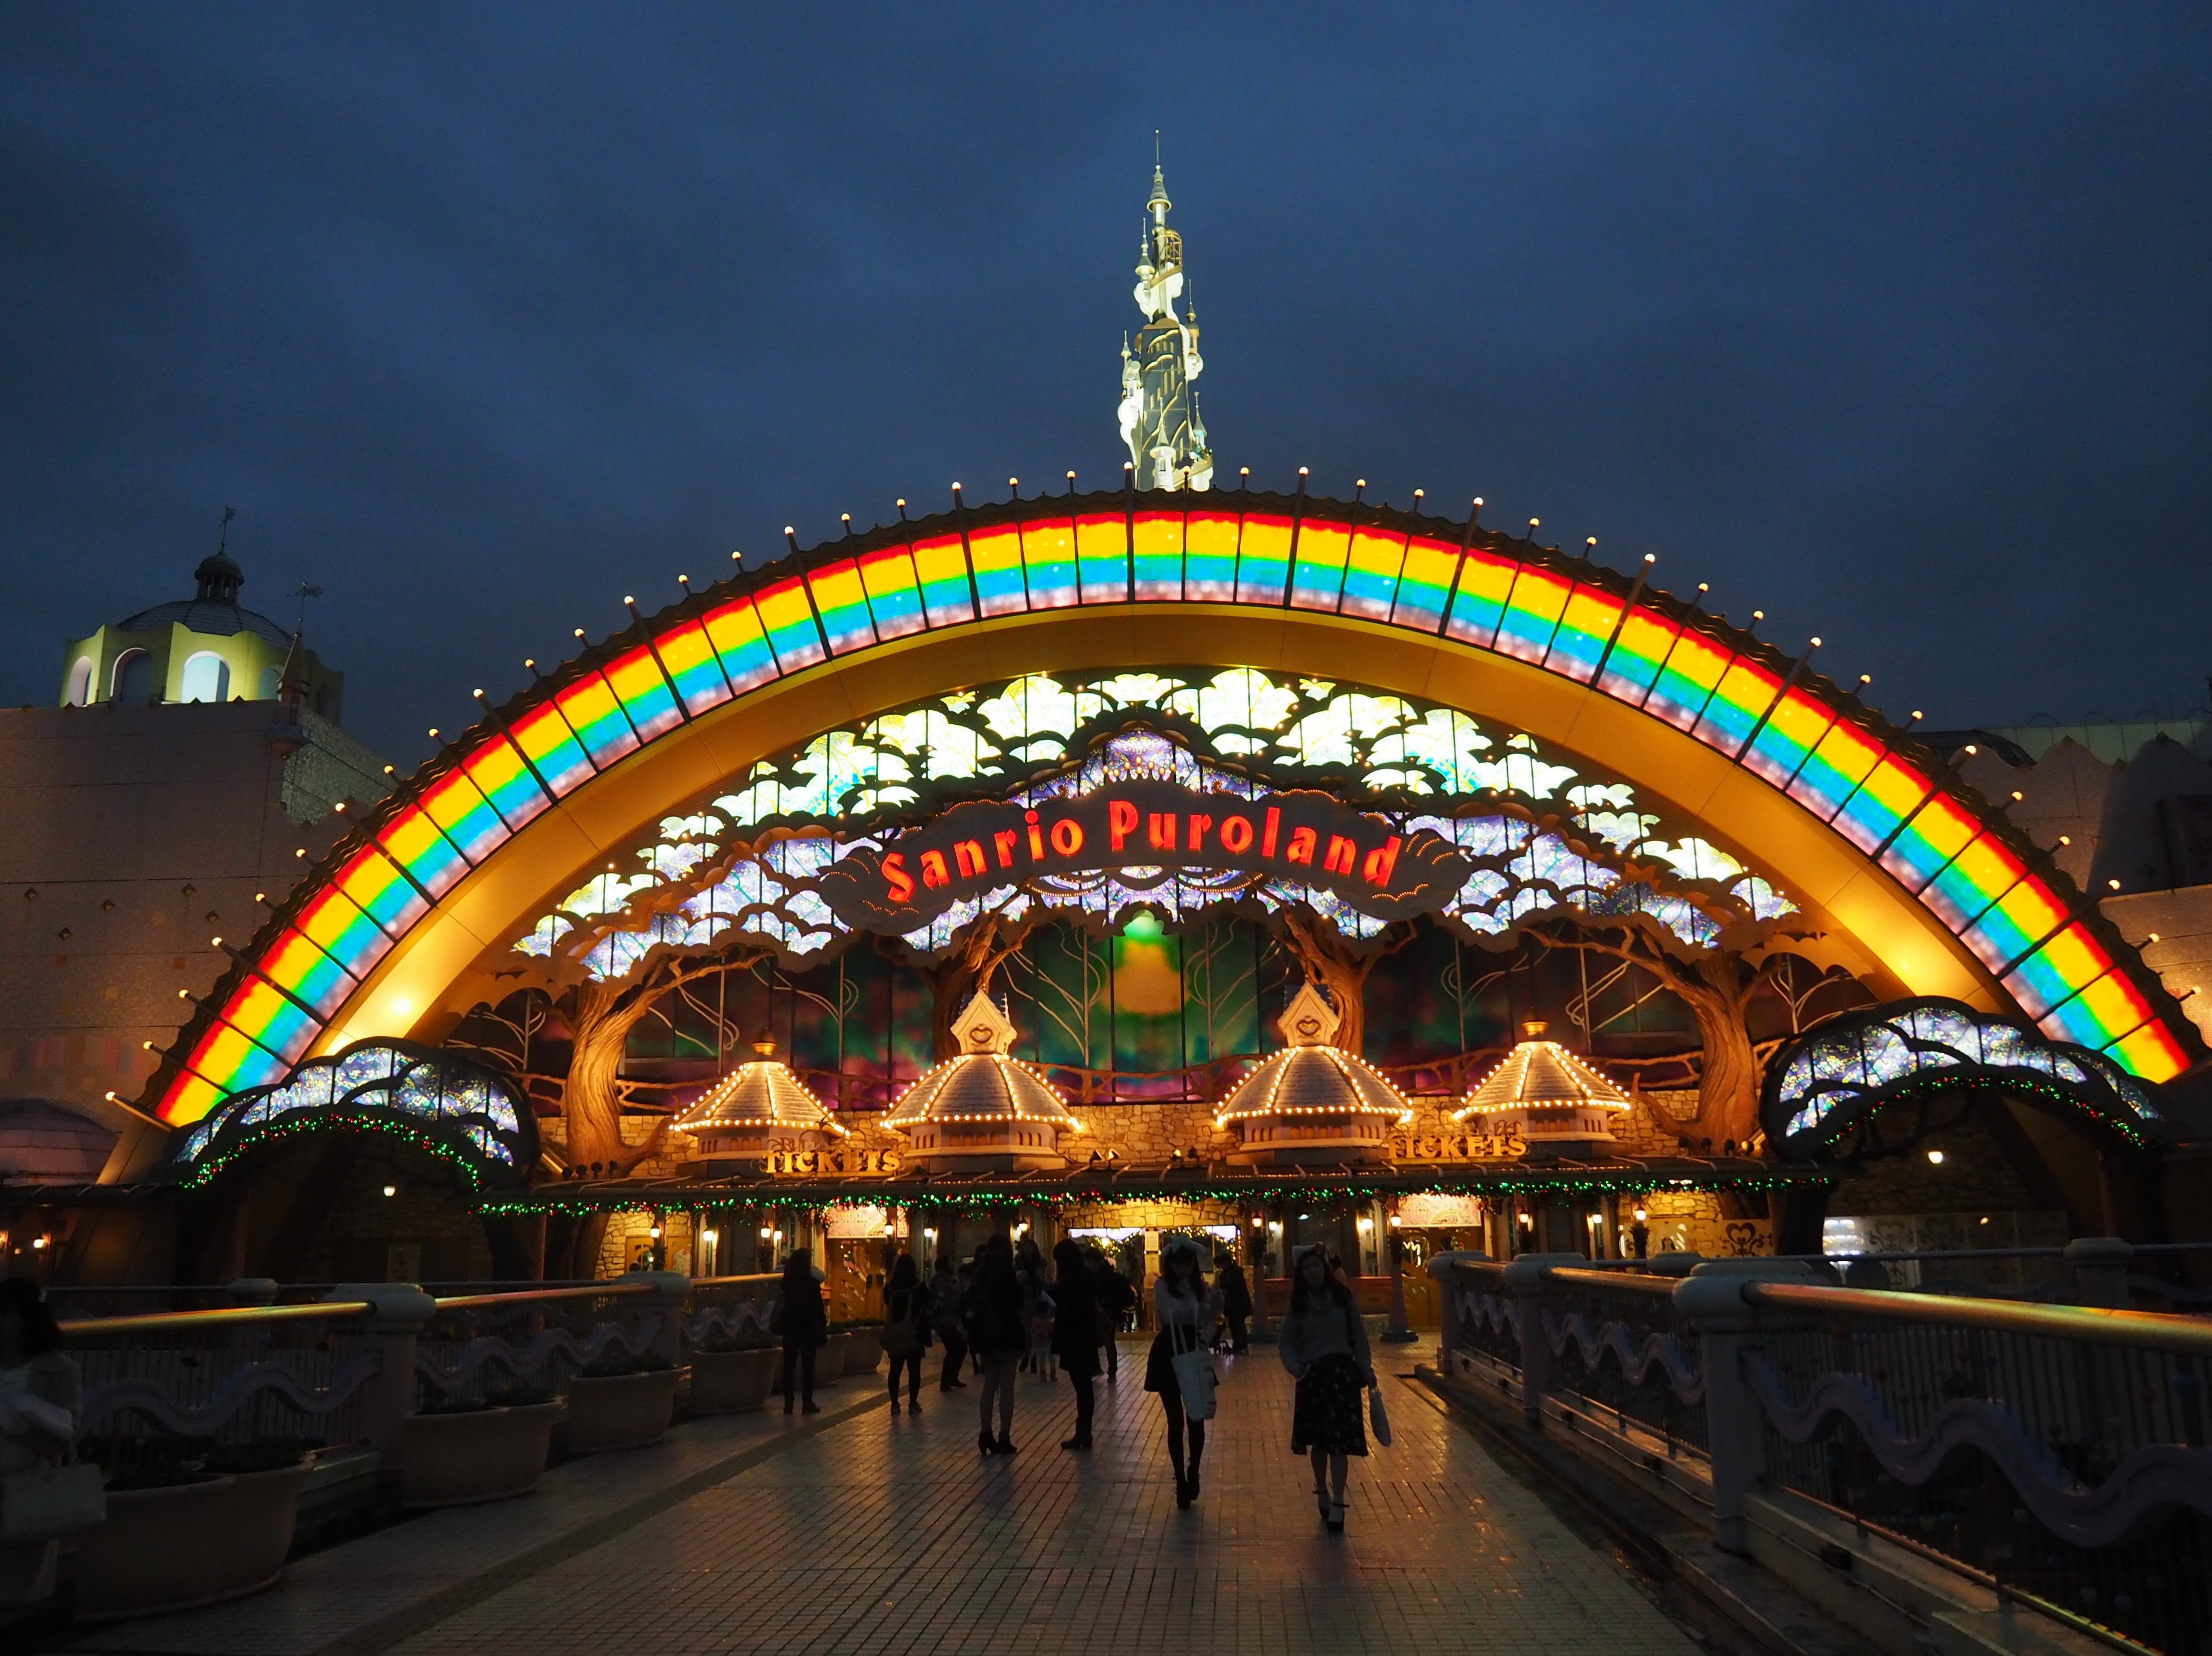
(1560, 614)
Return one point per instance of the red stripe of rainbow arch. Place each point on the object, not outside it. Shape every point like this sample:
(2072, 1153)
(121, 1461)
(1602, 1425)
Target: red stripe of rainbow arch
(1564, 615)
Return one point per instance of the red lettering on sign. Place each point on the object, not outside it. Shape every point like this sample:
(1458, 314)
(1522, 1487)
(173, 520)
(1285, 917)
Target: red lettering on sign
(969, 856)
(1160, 828)
(933, 869)
(1199, 823)
(896, 877)
(1121, 821)
(1036, 839)
(1301, 847)
(1235, 835)
(1381, 864)
(1343, 855)
(1067, 837)
(1267, 839)
(1003, 842)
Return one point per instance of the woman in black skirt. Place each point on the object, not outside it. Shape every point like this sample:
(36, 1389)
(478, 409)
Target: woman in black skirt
(1324, 1343)
(1187, 1309)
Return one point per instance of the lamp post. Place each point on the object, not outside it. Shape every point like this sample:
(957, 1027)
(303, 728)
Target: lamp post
(1400, 1330)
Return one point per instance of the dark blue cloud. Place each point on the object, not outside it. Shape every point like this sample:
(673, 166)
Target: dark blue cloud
(1888, 321)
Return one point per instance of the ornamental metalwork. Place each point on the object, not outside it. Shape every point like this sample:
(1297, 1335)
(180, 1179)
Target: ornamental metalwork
(1826, 1083)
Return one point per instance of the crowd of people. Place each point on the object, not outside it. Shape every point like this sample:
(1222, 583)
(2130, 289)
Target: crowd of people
(1010, 1311)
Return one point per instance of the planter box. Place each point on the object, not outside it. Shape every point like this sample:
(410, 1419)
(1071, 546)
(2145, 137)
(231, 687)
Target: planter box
(624, 1412)
(866, 1352)
(199, 1543)
(732, 1382)
(830, 1361)
(455, 1460)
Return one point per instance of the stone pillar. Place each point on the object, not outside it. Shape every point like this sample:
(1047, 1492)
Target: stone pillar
(2100, 1270)
(1524, 1282)
(1711, 1300)
(397, 1314)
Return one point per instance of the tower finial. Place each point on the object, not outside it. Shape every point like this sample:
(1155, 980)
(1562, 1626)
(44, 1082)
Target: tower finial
(1158, 413)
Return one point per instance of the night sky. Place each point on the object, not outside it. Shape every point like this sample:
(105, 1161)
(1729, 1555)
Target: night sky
(1892, 322)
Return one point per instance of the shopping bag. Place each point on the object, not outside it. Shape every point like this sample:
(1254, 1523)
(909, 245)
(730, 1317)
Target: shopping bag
(1194, 1375)
(1378, 1417)
(45, 1501)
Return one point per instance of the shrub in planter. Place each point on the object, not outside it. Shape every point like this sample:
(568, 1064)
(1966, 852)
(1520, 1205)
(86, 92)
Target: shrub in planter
(734, 1372)
(620, 1402)
(459, 1450)
(181, 1531)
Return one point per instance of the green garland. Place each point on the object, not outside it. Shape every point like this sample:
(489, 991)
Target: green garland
(1584, 1185)
(1937, 1083)
(322, 1121)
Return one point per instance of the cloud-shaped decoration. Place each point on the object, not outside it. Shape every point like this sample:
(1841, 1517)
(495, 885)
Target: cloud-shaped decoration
(1825, 1083)
(466, 1113)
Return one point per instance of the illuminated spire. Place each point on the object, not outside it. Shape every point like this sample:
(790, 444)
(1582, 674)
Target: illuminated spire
(1159, 408)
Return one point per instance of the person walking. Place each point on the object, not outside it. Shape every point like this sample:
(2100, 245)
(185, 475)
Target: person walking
(905, 1328)
(993, 1316)
(1075, 1333)
(41, 1407)
(946, 1291)
(1185, 1307)
(1236, 1303)
(1323, 1341)
(1115, 1299)
(804, 1321)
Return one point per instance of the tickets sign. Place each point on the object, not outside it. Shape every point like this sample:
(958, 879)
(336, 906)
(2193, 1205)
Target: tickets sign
(1367, 860)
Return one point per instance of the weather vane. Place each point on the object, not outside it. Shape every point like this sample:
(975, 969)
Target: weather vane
(303, 592)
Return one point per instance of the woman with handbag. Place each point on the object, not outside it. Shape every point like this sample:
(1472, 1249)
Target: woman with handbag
(803, 1319)
(905, 1328)
(1075, 1332)
(1323, 1341)
(1180, 1368)
(42, 1495)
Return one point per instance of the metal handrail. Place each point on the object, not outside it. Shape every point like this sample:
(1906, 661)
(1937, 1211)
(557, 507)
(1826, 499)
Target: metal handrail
(155, 1322)
(2161, 1331)
(1661, 1288)
(604, 1291)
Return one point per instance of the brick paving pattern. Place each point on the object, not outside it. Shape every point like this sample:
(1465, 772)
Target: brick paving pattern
(896, 1535)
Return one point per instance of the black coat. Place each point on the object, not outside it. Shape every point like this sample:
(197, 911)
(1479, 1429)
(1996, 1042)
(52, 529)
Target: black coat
(1236, 1292)
(803, 1318)
(1077, 1332)
(991, 1316)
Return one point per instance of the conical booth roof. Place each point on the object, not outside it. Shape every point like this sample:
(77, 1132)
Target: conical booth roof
(982, 1106)
(1546, 1092)
(762, 1096)
(1311, 1102)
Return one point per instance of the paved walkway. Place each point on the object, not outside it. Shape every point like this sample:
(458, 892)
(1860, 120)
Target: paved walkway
(874, 1534)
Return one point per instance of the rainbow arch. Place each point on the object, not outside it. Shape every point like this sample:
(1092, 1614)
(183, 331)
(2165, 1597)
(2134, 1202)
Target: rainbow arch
(1223, 558)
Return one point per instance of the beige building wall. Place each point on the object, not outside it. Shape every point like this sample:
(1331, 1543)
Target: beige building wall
(130, 835)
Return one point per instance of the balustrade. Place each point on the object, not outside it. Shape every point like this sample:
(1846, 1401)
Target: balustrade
(2054, 1454)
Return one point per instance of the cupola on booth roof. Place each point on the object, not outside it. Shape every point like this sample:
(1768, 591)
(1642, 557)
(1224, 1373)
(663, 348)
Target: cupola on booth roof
(1544, 1094)
(981, 1110)
(1310, 1103)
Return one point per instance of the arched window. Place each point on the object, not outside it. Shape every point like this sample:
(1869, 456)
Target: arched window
(80, 682)
(272, 680)
(206, 679)
(134, 677)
